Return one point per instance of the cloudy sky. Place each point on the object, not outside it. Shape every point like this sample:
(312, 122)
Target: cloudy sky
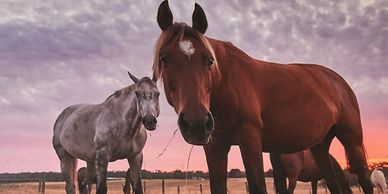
(57, 53)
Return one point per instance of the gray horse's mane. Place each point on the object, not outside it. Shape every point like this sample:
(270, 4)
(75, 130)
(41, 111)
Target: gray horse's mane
(125, 91)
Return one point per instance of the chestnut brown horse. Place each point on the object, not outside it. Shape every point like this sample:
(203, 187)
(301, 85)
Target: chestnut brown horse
(224, 97)
(301, 166)
(85, 181)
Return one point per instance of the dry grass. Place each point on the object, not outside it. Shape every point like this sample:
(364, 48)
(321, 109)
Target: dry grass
(235, 186)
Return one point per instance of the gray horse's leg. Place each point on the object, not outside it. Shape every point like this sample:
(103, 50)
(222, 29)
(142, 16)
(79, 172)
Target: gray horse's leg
(91, 175)
(68, 166)
(101, 170)
(135, 164)
(128, 182)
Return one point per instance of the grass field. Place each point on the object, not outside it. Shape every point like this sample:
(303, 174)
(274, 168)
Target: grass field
(235, 186)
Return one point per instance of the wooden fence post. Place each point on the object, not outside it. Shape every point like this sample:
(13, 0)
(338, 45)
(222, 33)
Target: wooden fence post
(144, 187)
(39, 186)
(200, 188)
(44, 186)
(163, 186)
(179, 190)
(246, 187)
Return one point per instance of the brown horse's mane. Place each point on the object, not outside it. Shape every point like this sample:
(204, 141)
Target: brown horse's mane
(173, 35)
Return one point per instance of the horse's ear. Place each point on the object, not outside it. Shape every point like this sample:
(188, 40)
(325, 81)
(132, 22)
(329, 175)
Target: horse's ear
(164, 16)
(199, 19)
(154, 78)
(133, 78)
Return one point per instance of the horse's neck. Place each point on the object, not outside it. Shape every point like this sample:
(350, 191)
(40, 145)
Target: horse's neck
(125, 106)
(234, 64)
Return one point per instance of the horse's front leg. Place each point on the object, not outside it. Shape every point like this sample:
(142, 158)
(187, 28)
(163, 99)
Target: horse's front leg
(128, 182)
(251, 152)
(217, 162)
(101, 170)
(135, 164)
(91, 175)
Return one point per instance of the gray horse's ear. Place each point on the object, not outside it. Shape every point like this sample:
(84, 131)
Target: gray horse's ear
(133, 78)
(199, 19)
(164, 16)
(154, 78)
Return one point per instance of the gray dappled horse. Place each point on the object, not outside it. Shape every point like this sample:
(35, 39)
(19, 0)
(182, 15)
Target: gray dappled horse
(107, 132)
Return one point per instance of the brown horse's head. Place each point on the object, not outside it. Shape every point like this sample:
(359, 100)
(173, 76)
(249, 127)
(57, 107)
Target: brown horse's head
(186, 62)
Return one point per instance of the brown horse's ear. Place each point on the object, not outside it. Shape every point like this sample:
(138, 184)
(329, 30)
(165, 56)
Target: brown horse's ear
(133, 78)
(164, 16)
(199, 19)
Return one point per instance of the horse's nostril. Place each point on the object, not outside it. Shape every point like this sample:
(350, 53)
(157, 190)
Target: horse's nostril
(153, 120)
(182, 123)
(148, 119)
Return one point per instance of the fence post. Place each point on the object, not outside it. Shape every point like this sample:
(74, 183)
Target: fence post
(39, 186)
(44, 186)
(246, 187)
(144, 187)
(200, 188)
(162, 186)
(179, 190)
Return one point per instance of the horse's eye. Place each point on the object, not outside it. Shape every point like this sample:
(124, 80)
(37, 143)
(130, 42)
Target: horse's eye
(163, 60)
(157, 94)
(210, 61)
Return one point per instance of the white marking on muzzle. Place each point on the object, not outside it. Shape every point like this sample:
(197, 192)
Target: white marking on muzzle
(186, 46)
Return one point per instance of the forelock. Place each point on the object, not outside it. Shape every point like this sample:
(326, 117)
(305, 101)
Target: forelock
(177, 32)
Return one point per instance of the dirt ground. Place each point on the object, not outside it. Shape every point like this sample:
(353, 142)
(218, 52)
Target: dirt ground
(235, 186)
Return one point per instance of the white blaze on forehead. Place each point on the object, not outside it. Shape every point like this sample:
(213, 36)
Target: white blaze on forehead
(186, 46)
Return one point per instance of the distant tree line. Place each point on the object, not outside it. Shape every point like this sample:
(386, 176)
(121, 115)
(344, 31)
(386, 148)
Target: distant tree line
(176, 174)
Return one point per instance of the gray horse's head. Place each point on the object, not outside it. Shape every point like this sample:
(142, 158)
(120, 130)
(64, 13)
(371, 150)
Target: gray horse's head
(147, 95)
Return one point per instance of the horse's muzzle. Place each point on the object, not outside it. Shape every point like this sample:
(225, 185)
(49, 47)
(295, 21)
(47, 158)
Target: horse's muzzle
(196, 132)
(149, 122)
